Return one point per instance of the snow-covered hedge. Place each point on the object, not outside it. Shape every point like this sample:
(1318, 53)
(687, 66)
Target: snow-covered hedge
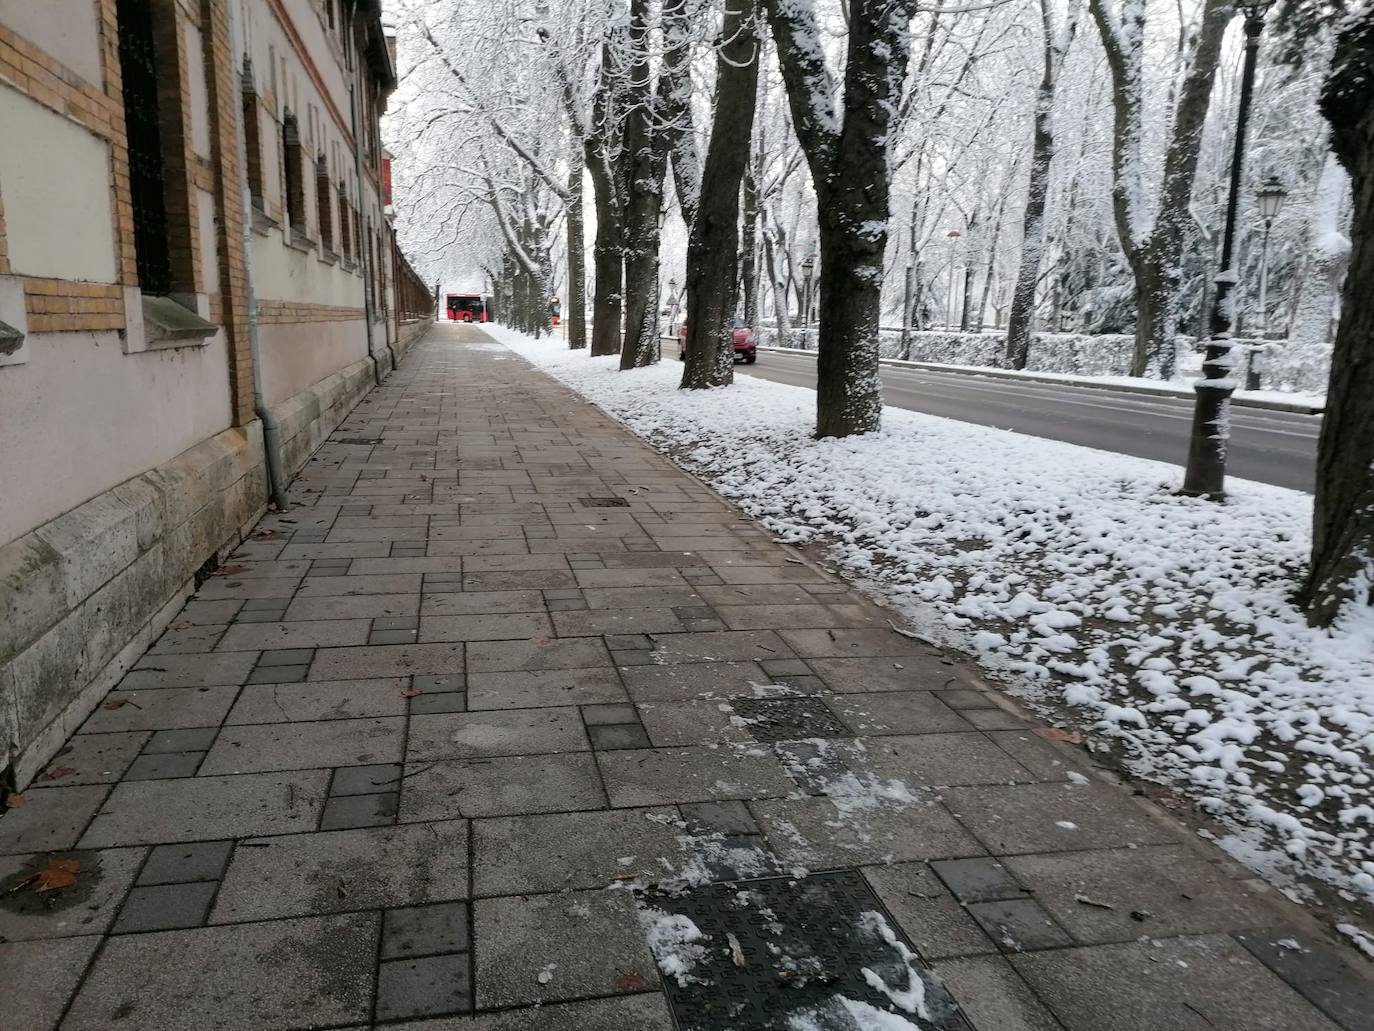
(1288, 368)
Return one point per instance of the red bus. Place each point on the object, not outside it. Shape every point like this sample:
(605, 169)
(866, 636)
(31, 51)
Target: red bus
(467, 307)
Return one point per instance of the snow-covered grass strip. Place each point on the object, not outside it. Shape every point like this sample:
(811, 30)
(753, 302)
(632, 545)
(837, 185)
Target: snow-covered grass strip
(1080, 577)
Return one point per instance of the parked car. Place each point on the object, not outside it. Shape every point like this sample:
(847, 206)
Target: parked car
(746, 343)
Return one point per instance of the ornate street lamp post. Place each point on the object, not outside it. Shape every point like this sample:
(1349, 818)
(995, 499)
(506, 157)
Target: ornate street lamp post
(808, 266)
(907, 284)
(1270, 199)
(1205, 475)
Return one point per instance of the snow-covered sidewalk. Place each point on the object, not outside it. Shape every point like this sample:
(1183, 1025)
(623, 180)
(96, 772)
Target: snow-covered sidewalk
(1079, 578)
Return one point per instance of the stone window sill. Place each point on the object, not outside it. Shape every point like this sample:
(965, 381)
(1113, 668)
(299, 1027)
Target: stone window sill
(169, 323)
(263, 223)
(328, 256)
(300, 241)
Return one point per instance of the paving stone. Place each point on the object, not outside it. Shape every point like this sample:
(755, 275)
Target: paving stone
(942, 759)
(356, 606)
(521, 936)
(152, 812)
(896, 712)
(393, 636)
(693, 680)
(500, 627)
(1318, 972)
(995, 719)
(786, 719)
(1018, 925)
(165, 907)
(643, 1012)
(279, 674)
(306, 633)
(575, 850)
(438, 683)
(502, 787)
(935, 921)
(666, 775)
(393, 660)
(639, 578)
(192, 861)
(979, 880)
(498, 732)
(365, 780)
(50, 819)
(334, 871)
(1205, 983)
(302, 746)
(617, 621)
(1055, 818)
(1047, 760)
(87, 907)
(629, 598)
(722, 645)
(48, 971)
(169, 709)
(319, 700)
(395, 623)
(91, 759)
(197, 739)
(626, 735)
(283, 973)
(425, 930)
(817, 834)
(426, 987)
(481, 603)
(694, 722)
(350, 812)
(730, 817)
(519, 580)
(239, 588)
(768, 594)
(599, 715)
(894, 673)
(566, 653)
(992, 996)
(444, 701)
(359, 586)
(159, 767)
(182, 640)
(210, 670)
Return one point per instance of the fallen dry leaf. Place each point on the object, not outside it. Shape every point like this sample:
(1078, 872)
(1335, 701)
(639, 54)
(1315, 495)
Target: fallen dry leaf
(736, 953)
(630, 982)
(115, 703)
(59, 873)
(58, 772)
(411, 692)
(15, 801)
(264, 535)
(228, 570)
(185, 624)
(1056, 734)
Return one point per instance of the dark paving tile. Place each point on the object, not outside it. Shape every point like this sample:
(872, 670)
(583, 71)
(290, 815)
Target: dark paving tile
(425, 930)
(432, 986)
(192, 861)
(1018, 925)
(358, 811)
(196, 739)
(165, 907)
(1318, 972)
(626, 735)
(365, 780)
(160, 766)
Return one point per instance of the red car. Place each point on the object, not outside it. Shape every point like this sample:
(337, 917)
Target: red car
(746, 343)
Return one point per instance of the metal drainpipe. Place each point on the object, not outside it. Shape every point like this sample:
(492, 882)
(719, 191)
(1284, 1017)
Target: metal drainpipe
(364, 246)
(271, 429)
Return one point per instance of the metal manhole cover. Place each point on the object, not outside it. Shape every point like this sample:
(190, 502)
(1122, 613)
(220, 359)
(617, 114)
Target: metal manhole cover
(604, 502)
(788, 719)
(781, 954)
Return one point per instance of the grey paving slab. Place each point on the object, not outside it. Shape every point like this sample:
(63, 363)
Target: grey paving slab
(165, 907)
(189, 670)
(993, 997)
(507, 786)
(48, 972)
(891, 673)
(48, 819)
(320, 700)
(352, 606)
(819, 833)
(91, 759)
(396, 660)
(643, 1012)
(537, 688)
(1201, 984)
(1321, 974)
(694, 680)
(896, 712)
(521, 938)
(1167, 890)
(718, 646)
(658, 776)
(476, 603)
(1055, 818)
(153, 812)
(160, 709)
(338, 871)
(358, 585)
(315, 971)
(425, 930)
(305, 746)
(191, 861)
(519, 580)
(541, 653)
(697, 721)
(495, 732)
(618, 621)
(926, 911)
(87, 907)
(576, 850)
(238, 588)
(494, 627)
(193, 739)
(424, 986)
(306, 633)
(642, 597)
(942, 759)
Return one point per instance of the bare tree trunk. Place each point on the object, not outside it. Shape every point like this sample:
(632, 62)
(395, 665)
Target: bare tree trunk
(749, 247)
(576, 306)
(713, 249)
(847, 151)
(1343, 515)
(1327, 255)
(1155, 251)
(1021, 321)
(651, 130)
